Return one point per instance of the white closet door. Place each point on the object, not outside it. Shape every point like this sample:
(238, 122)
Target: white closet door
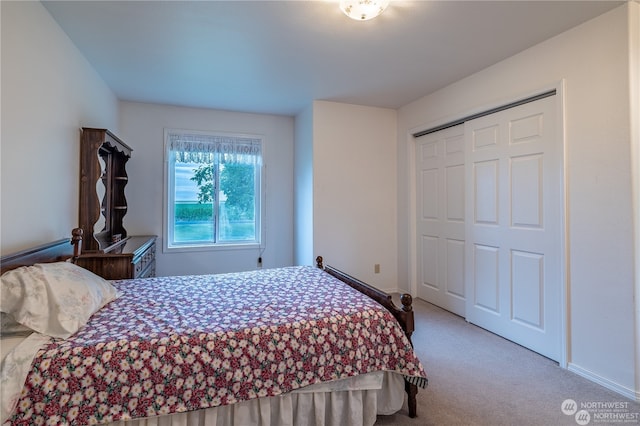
(440, 218)
(513, 252)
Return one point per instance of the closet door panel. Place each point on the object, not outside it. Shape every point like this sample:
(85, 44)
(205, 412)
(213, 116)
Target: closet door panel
(440, 218)
(514, 232)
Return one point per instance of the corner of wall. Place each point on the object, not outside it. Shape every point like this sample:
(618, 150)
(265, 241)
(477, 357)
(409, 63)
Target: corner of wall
(634, 108)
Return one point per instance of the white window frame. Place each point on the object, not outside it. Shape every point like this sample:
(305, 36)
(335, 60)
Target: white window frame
(169, 199)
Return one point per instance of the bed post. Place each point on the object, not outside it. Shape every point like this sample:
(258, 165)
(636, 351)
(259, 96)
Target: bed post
(405, 316)
(76, 242)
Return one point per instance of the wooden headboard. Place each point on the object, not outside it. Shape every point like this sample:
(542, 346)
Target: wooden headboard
(55, 251)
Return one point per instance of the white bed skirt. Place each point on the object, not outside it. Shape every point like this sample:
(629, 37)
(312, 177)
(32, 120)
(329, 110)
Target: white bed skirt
(346, 402)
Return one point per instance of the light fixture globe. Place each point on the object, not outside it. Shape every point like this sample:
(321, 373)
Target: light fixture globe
(363, 10)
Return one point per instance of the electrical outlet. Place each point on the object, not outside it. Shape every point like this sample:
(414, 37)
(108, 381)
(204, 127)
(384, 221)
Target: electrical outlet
(376, 268)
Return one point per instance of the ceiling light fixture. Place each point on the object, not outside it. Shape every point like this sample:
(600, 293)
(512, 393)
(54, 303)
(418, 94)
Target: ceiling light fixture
(363, 10)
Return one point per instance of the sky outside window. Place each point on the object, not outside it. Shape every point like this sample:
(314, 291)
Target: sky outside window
(186, 189)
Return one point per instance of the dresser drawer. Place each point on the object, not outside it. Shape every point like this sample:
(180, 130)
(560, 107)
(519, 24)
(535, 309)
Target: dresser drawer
(134, 257)
(145, 266)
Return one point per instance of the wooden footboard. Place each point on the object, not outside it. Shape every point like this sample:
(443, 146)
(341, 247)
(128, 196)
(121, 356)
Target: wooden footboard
(405, 316)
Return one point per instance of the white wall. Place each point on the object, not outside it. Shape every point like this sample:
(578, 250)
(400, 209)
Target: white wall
(142, 127)
(48, 91)
(594, 61)
(354, 190)
(634, 73)
(303, 188)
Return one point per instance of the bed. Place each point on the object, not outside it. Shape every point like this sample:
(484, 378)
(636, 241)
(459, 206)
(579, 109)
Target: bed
(295, 345)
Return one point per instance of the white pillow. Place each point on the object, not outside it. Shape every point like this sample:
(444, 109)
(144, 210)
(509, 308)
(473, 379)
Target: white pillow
(10, 327)
(55, 299)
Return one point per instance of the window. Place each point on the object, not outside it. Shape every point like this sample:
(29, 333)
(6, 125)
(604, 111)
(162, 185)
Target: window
(213, 190)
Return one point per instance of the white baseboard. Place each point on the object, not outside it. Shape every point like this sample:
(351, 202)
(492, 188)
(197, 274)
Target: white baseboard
(616, 387)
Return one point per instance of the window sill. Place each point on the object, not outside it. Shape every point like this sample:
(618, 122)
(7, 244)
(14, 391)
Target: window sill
(218, 247)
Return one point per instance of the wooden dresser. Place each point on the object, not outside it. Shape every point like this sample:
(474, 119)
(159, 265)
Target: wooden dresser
(134, 257)
(107, 249)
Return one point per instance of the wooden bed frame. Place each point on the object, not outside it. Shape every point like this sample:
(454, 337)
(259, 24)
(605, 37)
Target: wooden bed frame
(64, 249)
(404, 316)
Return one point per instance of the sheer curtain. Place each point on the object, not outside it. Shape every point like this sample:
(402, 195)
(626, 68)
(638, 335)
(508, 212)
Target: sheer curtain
(191, 147)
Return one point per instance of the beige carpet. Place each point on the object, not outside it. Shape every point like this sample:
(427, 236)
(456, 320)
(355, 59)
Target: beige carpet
(478, 378)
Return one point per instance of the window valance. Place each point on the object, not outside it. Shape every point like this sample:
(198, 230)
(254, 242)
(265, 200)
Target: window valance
(202, 148)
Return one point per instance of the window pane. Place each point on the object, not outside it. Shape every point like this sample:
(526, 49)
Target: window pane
(237, 202)
(193, 211)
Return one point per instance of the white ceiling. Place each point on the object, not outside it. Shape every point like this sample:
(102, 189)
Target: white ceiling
(278, 56)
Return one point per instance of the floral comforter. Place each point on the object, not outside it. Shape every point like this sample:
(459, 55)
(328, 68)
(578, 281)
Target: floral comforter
(174, 344)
